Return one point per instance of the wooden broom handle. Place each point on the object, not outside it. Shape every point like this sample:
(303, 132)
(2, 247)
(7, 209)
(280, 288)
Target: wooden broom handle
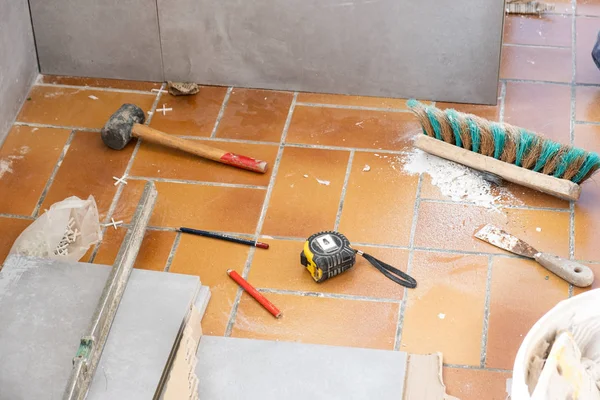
(152, 135)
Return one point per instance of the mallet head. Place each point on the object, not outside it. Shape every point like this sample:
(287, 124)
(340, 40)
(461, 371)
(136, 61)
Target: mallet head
(117, 130)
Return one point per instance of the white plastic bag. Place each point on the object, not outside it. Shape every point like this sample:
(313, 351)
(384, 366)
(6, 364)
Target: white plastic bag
(65, 231)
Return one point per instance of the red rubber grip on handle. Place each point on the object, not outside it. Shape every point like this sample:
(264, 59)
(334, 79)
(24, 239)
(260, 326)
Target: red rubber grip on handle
(244, 162)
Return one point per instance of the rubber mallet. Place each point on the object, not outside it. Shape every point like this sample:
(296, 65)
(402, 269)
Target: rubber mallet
(128, 120)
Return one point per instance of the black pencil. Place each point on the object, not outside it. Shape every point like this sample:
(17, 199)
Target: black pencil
(224, 237)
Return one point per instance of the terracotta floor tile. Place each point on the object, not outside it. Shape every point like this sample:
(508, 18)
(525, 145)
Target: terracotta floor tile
(517, 195)
(587, 213)
(544, 30)
(157, 161)
(445, 312)
(588, 7)
(520, 295)
(451, 226)
(153, 254)
(588, 137)
(213, 208)
(210, 259)
(300, 205)
(542, 108)
(360, 101)
(471, 384)
(73, 107)
(88, 169)
(10, 229)
(489, 112)
(100, 82)
(315, 320)
(587, 102)
(379, 203)
(536, 63)
(255, 115)
(280, 268)
(587, 34)
(27, 159)
(352, 128)
(587, 222)
(595, 285)
(191, 115)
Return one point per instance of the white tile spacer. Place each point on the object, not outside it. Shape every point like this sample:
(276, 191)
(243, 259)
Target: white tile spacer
(91, 96)
(149, 112)
(159, 91)
(114, 223)
(120, 180)
(164, 109)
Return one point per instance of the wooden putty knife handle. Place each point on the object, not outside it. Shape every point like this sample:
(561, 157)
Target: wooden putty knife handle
(571, 271)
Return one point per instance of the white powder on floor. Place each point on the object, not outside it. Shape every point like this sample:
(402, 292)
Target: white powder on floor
(454, 180)
(5, 166)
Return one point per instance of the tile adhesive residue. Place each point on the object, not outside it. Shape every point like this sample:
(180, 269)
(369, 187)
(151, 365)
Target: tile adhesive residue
(456, 181)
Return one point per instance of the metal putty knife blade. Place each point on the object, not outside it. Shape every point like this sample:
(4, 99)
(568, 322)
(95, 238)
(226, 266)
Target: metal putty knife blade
(499, 238)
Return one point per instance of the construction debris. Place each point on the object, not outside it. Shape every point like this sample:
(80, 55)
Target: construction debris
(527, 7)
(182, 88)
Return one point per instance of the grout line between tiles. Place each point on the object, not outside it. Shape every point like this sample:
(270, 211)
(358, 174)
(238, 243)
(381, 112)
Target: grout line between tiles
(587, 123)
(502, 101)
(486, 313)
(172, 252)
(69, 128)
(120, 188)
(572, 127)
(263, 213)
(340, 148)
(303, 293)
(348, 107)
(411, 246)
(99, 89)
(537, 46)
(213, 133)
(199, 183)
(17, 216)
(53, 174)
(476, 367)
(513, 80)
(344, 188)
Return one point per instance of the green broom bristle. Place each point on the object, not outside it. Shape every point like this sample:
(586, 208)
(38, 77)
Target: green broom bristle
(554, 159)
(437, 129)
(567, 159)
(591, 163)
(475, 135)
(549, 150)
(525, 142)
(499, 140)
(453, 119)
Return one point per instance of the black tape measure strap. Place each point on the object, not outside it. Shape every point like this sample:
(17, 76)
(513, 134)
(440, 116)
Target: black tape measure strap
(401, 278)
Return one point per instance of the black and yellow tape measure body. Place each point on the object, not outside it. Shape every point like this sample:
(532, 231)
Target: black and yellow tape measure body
(328, 254)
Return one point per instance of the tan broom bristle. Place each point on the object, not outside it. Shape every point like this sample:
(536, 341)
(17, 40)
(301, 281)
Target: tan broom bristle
(446, 129)
(552, 163)
(424, 119)
(509, 153)
(533, 154)
(465, 135)
(574, 167)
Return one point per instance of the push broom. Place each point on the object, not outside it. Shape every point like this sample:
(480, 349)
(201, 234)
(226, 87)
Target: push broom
(512, 153)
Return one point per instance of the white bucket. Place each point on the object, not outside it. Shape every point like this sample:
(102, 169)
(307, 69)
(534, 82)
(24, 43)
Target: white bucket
(579, 315)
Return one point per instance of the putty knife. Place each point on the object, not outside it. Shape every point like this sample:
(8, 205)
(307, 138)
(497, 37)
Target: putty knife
(571, 271)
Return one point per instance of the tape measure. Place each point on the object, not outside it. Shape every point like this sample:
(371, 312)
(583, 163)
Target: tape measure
(327, 254)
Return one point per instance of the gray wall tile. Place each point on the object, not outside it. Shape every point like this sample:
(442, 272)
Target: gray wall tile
(436, 49)
(109, 38)
(18, 62)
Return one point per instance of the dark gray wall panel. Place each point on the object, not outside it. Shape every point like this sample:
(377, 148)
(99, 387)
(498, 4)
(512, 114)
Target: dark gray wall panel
(434, 49)
(108, 38)
(18, 62)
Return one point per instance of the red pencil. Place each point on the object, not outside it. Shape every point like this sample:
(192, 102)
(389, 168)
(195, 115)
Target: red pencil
(254, 293)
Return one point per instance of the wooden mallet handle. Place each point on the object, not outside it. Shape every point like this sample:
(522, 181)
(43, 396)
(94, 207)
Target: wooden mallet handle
(152, 135)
